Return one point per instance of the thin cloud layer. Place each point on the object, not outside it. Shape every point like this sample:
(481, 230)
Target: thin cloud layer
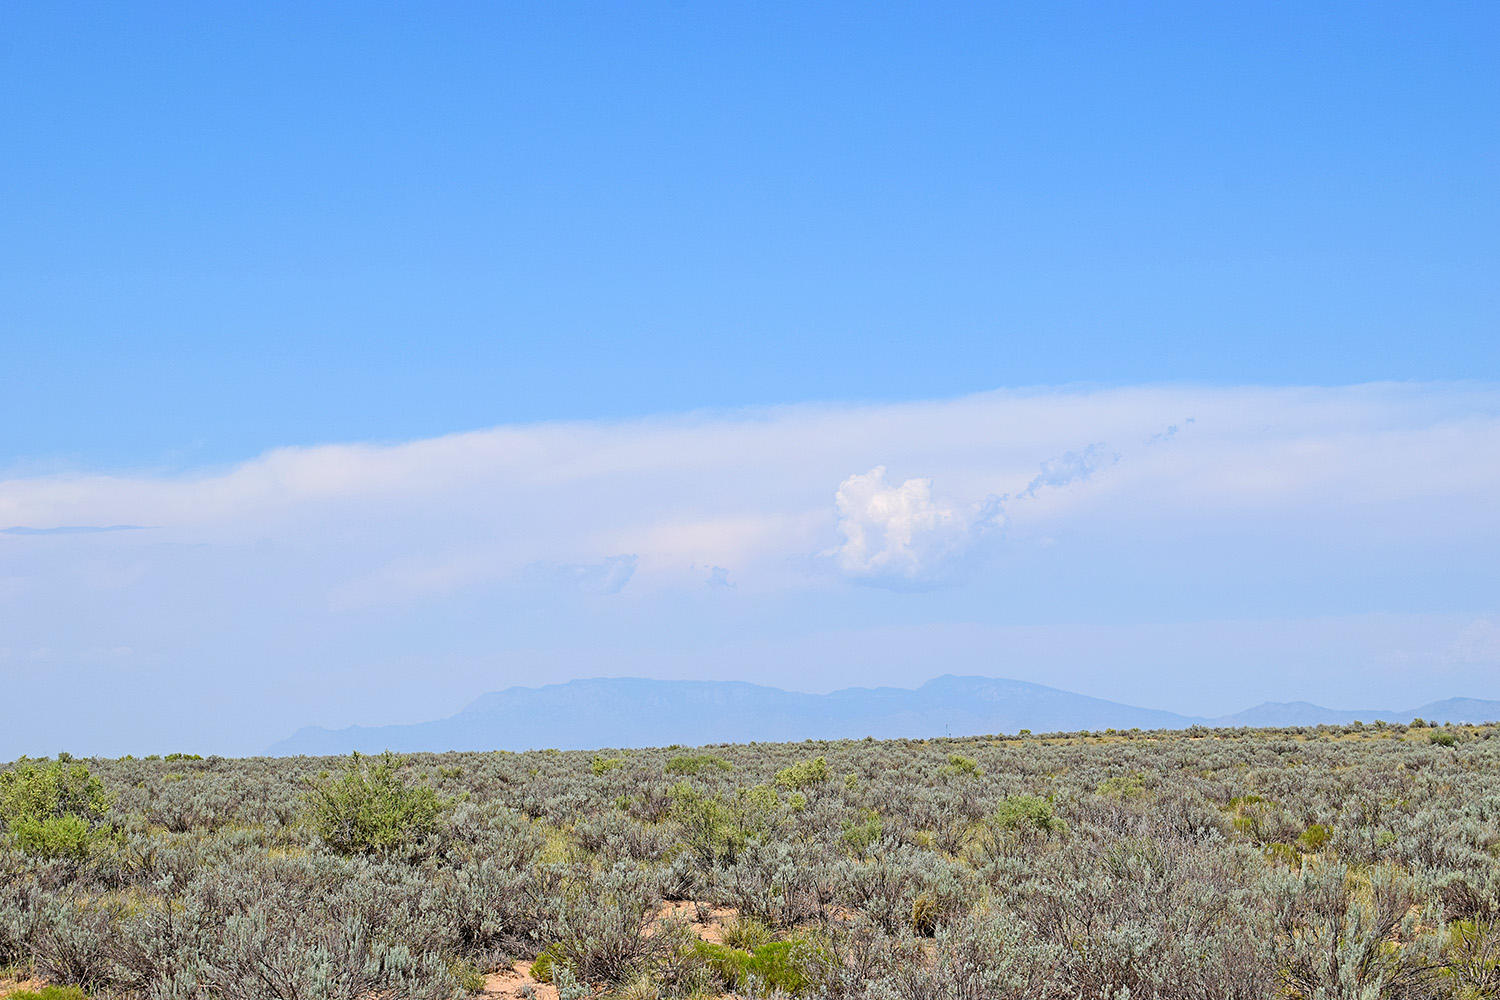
(607, 576)
(310, 582)
(70, 529)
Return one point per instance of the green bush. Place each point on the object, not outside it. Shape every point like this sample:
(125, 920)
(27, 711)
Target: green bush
(53, 837)
(693, 763)
(1442, 737)
(746, 933)
(371, 810)
(1122, 786)
(49, 993)
(759, 798)
(775, 965)
(467, 975)
(603, 765)
(53, 809)
(711, 827)
(860, 834)
(804, 774)
(547, 961)
(1314, 837)
(1025, 813)
(1285, 853)
(963, 767)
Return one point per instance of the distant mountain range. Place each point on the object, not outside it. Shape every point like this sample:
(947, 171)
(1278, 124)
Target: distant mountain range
(634, 712)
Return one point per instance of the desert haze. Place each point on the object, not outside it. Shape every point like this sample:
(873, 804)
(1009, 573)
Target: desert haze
(635, 712)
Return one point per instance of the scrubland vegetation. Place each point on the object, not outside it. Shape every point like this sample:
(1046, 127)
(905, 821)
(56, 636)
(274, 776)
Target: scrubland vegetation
(1356, 862)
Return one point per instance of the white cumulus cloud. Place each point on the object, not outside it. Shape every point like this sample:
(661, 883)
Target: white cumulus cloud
(899, 534)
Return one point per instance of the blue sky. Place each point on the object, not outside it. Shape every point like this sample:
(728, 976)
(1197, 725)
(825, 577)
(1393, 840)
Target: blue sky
(415, 352)
(233, 229)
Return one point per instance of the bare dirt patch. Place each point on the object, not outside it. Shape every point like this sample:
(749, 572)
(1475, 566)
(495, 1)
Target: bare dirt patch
(707, 922)
(514, 983)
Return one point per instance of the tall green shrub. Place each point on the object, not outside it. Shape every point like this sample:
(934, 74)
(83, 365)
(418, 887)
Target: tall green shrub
(52, 808)
(1026, 813)
(804, 774)
(371, 809)
(710, 826)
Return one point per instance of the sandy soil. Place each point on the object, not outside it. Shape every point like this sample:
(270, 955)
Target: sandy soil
(703, 920)
(706, 921)
(513, 983)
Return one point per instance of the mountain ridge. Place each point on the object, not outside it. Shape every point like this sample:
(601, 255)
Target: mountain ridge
(598, 712)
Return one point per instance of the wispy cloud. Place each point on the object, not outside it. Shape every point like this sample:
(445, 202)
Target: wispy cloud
(1168, 433)
(71, 529)
(607, 576)
(1070, 467)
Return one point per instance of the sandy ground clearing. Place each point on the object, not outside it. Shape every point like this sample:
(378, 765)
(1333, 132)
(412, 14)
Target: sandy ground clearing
(706, 921)
(514, 982)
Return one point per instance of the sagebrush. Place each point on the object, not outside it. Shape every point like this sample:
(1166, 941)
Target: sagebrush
(1303, 864)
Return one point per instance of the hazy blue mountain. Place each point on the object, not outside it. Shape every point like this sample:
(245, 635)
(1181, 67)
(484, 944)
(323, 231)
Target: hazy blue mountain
(1457, 710)
(634, 712)
(627, 712)
(1302, 713)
